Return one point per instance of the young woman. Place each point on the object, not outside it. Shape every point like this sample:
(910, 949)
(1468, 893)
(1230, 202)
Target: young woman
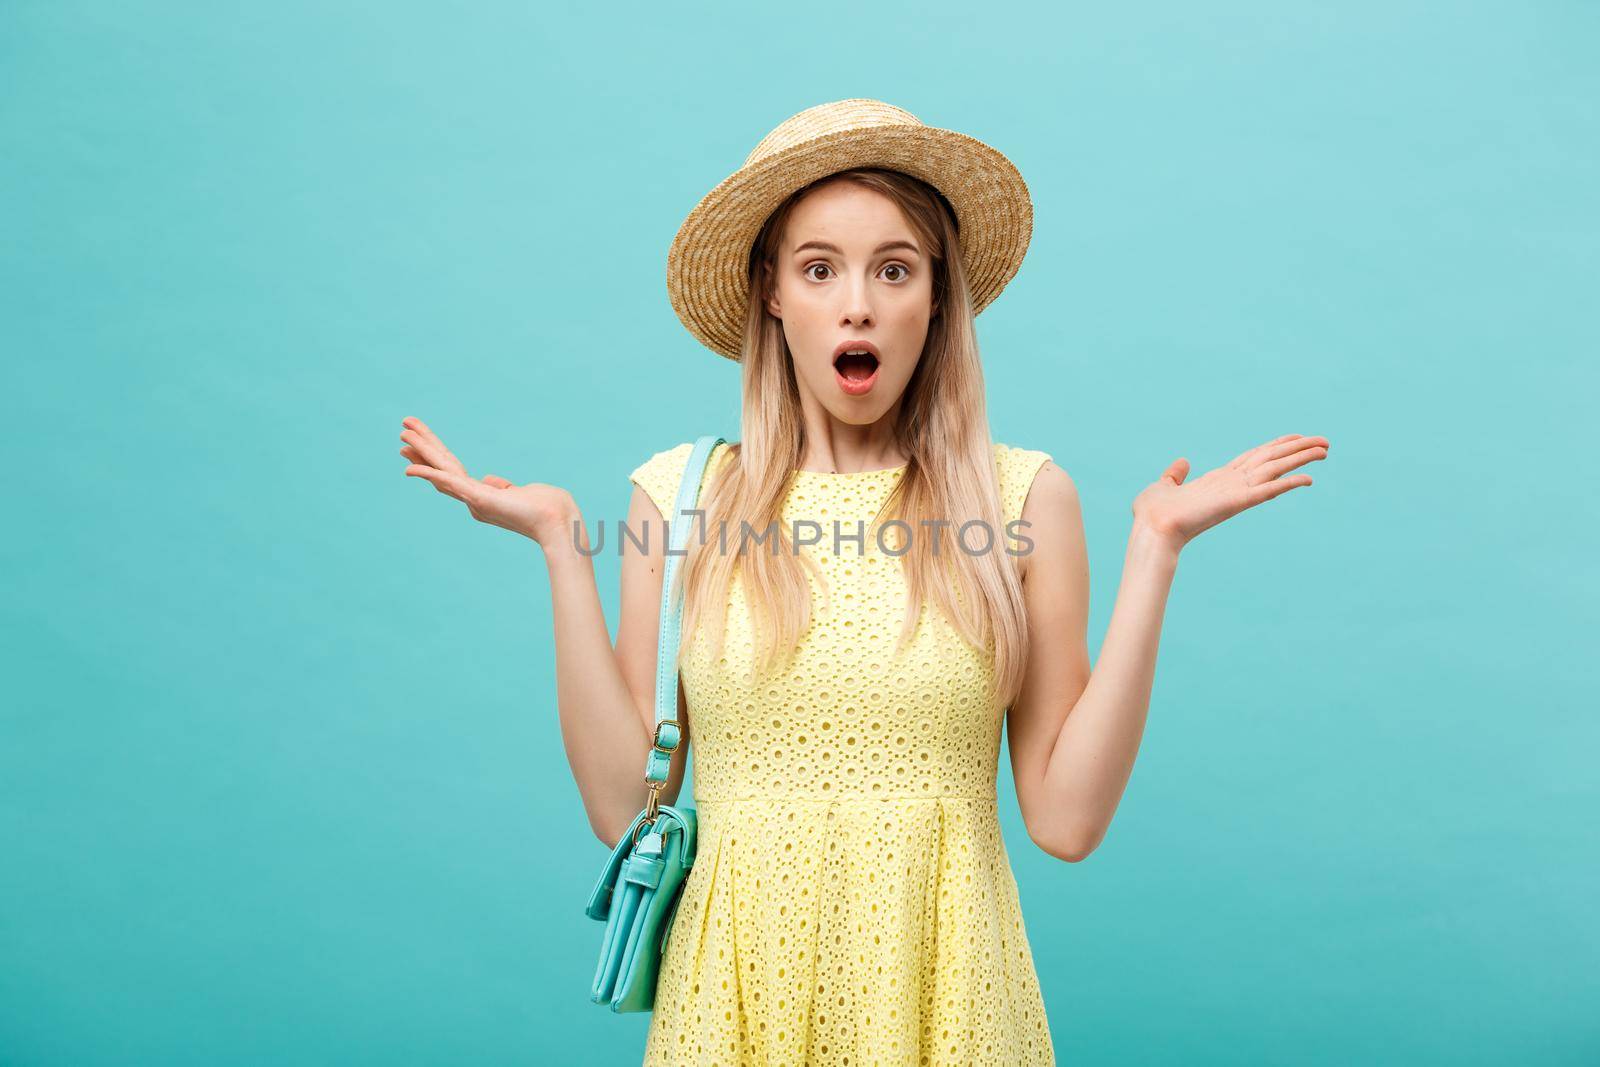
(845, 680)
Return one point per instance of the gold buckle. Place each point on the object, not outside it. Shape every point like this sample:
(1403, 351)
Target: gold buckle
(655, 742)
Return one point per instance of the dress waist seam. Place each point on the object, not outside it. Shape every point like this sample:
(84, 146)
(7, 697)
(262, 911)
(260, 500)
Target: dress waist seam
(876, 798)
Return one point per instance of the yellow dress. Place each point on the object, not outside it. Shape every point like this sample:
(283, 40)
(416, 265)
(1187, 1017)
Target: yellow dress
(851, 900)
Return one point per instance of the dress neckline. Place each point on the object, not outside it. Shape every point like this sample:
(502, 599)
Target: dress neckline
(801, 471)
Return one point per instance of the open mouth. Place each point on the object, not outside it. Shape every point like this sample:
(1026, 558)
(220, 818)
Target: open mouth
(856, 366)
(855, 371)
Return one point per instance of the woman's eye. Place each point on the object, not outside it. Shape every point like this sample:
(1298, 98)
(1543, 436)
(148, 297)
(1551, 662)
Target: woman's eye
(823, 266)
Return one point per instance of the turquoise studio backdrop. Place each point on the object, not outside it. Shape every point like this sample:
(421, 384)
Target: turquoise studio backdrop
(281, 779)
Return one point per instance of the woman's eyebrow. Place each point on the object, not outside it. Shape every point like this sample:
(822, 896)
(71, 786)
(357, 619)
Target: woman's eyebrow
(836, 250)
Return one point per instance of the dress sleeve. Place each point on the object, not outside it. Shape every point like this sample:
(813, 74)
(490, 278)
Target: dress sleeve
(1017, 468)
(659, 476)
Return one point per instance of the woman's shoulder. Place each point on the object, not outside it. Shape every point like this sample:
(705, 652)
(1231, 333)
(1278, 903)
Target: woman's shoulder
(660, 474)
(1017, 468)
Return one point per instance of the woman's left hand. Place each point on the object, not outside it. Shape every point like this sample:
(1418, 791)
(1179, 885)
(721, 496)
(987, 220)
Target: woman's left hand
(1178, 511)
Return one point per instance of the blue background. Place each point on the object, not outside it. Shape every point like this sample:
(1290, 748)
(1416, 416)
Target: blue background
(281, 780)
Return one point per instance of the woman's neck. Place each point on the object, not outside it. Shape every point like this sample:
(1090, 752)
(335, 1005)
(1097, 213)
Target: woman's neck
(833, 446)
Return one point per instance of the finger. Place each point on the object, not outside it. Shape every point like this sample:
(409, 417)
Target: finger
(418, 434)
(440, 480)
(1277, 487)
(1268, 471)
(496, 481)
(432, 452)
(1242, 457)
(416, 458)
(1277, 450)
(459, 486)
(418, 426)
(1176, 471)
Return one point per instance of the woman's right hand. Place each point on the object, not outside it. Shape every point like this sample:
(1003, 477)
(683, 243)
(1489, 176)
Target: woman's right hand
(534, 510)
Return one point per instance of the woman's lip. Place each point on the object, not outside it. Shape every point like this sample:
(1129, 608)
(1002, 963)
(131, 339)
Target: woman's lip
(859, 386)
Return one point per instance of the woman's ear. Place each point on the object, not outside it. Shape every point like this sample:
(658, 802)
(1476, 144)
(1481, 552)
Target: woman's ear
(773, 307)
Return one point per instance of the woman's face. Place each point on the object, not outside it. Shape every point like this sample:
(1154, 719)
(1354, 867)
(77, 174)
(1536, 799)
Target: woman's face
(851, 274)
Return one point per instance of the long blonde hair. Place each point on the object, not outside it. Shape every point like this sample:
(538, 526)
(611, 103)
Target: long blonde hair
(943, 429)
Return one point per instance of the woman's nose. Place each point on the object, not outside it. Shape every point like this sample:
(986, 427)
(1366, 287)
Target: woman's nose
(857, 305)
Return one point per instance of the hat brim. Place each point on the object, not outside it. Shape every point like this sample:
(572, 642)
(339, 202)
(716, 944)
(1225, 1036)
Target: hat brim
(708, 262)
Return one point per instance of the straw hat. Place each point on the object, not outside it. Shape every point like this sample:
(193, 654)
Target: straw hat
(708, 263)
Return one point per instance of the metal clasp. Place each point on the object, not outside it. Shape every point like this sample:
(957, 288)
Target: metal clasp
(645, 823)
(653, 805)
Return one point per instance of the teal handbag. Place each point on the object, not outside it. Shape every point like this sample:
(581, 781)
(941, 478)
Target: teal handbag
(639, 889)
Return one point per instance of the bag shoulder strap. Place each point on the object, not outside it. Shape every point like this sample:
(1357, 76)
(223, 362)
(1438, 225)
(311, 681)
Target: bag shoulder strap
(679, 526)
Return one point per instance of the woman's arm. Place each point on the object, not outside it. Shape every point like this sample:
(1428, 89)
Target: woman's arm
(605, 696)
(610, 775)
(1075, 733)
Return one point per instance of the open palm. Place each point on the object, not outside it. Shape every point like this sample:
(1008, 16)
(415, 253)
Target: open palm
(1181, 510)
(535, 510)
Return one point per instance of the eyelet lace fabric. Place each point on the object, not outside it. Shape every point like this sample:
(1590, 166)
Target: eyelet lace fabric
(851, 901)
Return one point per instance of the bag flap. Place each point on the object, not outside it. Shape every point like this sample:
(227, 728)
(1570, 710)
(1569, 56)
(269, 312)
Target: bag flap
(599, 905)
